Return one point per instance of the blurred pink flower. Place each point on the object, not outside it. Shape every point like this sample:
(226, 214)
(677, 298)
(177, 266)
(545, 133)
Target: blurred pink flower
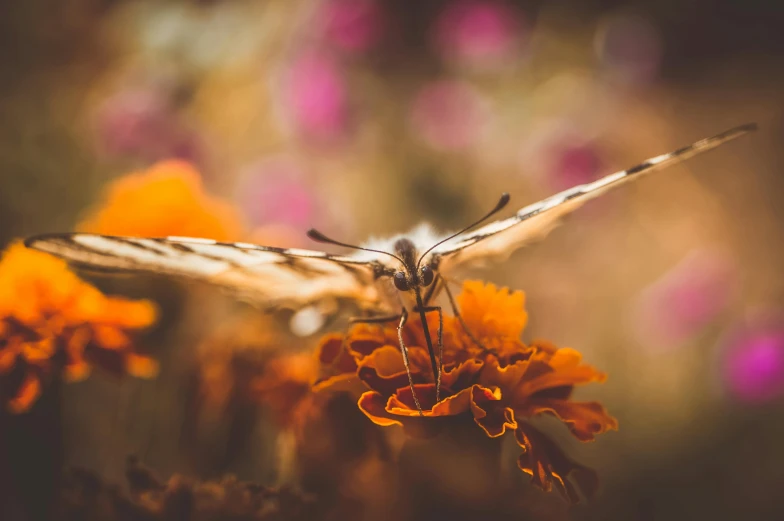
(142, 122)
(352, 25)
(630, 48)
(479, 33)
(133, 120)
(684, 300)
(574, 165)
(753, 365)
(448, 114)
(276, 191)
(317, 97)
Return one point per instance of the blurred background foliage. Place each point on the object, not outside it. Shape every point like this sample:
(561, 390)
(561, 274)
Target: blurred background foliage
(365, 117)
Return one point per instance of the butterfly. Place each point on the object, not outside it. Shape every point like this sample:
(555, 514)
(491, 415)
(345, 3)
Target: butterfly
(387, 279)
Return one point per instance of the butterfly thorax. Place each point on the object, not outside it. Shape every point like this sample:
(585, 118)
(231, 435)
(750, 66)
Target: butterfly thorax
(406, 250)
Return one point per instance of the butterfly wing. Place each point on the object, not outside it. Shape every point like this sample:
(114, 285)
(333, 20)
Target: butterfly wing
(271, 277)
(499, 239)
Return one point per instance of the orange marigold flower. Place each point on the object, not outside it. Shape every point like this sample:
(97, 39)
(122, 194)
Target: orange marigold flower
(52, 320)
(493, 378)
(166, 199)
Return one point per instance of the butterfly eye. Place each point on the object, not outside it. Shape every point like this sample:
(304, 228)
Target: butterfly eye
(401, 281)
(426, 275)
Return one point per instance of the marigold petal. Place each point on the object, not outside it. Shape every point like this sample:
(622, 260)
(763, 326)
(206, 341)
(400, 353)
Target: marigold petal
(110, 337)
(374, 406)
(384, 371)
(27, 393)
(566, 377)
(129, 314)
(45, 282)
(77, 342)
(86, 304)
(386, 360)
(338, 383)
(544, 346)
(565, 357)
(414, 334)
(38, 351)
(507, 377)
(462, 375)
(511, 350)
(548, 465)
(7, 358)
(329, 348)
(333, 358)
(452, 332)
(492, 312)
(461, 402)
(491, 415)
(584, 419)
(513, 378)
(76, 371)
(141, 366)
(402, 402)
(370, 336)
(363, 345)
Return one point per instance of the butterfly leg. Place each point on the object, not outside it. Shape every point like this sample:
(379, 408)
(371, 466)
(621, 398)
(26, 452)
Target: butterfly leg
(402, 318)
(367, 320)
(437, 368)
(459, 317)
(404, 352)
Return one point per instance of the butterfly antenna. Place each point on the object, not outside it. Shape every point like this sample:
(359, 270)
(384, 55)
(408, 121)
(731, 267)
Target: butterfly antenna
(317, 236)
(502, 202)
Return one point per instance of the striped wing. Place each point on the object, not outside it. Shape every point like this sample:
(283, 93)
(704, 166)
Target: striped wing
(272, 277)
(499, 239)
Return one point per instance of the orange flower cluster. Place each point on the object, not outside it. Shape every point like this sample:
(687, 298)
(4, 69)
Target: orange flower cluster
(166, 199)
(52, 321)
(499, 384)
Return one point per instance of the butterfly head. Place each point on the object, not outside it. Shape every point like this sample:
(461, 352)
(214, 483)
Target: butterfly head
(405, 282)
(411, 275)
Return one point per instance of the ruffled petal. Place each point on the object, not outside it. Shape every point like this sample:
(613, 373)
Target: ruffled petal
(507, 377)
(374, 406)
(548, 465)
(360, 345)
(462, 375)
(490, 414)
(27, 393)
(584, 419)
(330, 352)
(76, 371)
(349, 382)
(566, 370)
(384, 371)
